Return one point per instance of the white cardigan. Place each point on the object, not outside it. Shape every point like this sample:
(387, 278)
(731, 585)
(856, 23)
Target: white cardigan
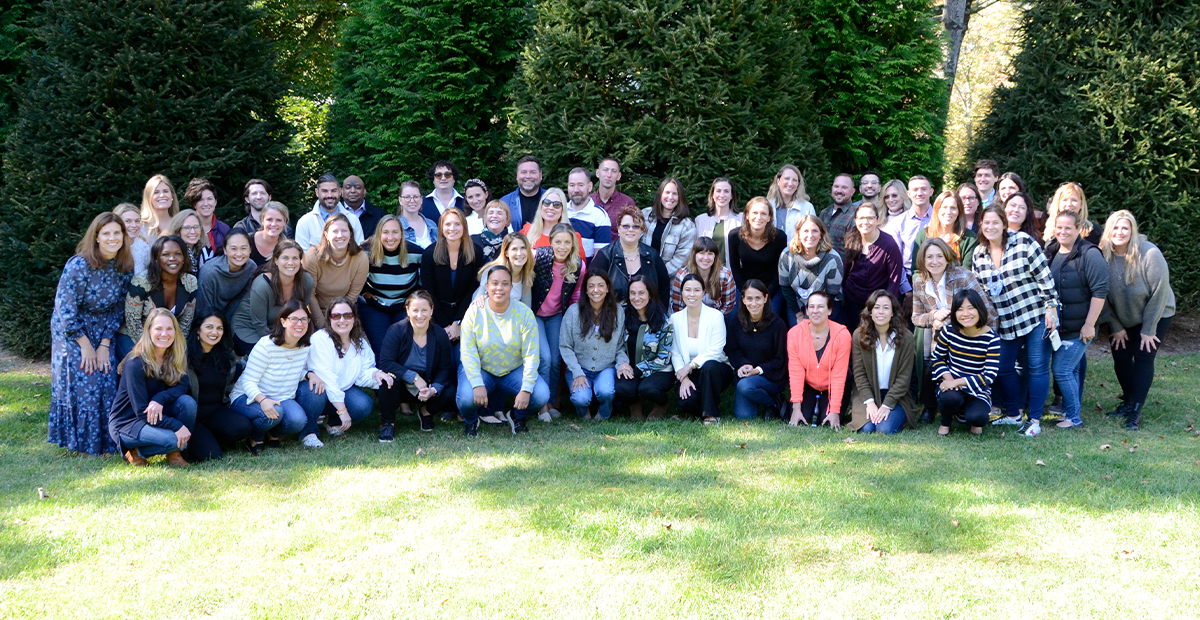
(356, 368)
(711, 334)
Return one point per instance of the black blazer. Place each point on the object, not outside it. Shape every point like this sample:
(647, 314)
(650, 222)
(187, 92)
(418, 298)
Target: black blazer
(439, 360)
(429, 208)
(450, 299)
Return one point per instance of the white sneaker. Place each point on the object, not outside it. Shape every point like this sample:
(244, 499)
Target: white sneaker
(545, 417)
(1031, 428)
(310, 441)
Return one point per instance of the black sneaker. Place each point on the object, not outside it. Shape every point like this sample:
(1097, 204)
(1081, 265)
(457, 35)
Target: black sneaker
(1056, 407)
(426, 423)
(926, 417)
(518, 426)
(471, 429)
(448, 416)
(387, 433)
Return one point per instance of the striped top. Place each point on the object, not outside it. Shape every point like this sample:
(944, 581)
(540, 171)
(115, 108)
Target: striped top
(390, 282)
(976, 359)
(272, 370)
(1022, 288)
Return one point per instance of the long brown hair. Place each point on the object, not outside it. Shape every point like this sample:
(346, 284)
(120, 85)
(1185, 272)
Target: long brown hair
(743, 312)
(681, 210)
(866, 333)
(769, 231)
(853, 240)
(712, 284)
(325, 248)
(357, 335)
(375, 243)
(273, 270)
(174, 361)
(89, 246)
(607, 319)
(955, 234)
(998, 210)
(441, 249)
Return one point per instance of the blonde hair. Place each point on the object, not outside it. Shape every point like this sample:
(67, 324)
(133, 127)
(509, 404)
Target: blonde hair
(536, 226)
(441, 249)
(901, 187)
(376, 249)
(572, 265)
(176, 226)
(497, 204)
(148, 202)
(1132, 252)
(1085, 227)
(775, 197)
(824, 245)
(173, 367)
(280, 208)
(953, 236)
(524, 274)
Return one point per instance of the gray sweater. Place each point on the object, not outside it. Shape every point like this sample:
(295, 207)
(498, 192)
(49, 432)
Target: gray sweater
(257, 313)
(590, 352)
(1148, 299)
(221, 291)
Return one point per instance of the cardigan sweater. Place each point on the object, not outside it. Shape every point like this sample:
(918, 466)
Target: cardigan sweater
(221, 290)
(711, 335)
(256, 316)
(798, 278)
(451, 292)
(272, 370)
(355, 367)
(590, 352)
(747, 263)
(827, 374)
(765, 346)
(1145, 302)
(611, 260)
(678, 236)
(332, 281)
(141, 300)
(866, 380)
(439, 362)
(127, 415)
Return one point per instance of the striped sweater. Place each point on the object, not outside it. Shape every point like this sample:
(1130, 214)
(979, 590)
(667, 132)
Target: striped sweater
(976, 359)
(272, 370)
(390, 282)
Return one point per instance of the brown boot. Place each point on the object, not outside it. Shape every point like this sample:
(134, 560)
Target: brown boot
(175, 459)
(635, 412)
(134, 459)
(657, 413)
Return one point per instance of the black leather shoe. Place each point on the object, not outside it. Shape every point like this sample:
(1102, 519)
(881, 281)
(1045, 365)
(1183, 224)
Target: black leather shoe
(1133, 418)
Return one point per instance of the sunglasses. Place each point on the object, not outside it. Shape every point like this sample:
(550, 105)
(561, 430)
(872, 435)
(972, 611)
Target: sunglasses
(339, 316)
(552, 203)
(443, 175)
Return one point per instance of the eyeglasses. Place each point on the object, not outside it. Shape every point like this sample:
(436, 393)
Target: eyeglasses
(410, 198)
(630, 227)
(297, 320)
(443, 175)
(552, 203)
(864, 219)
(190, 229)
(341, 316)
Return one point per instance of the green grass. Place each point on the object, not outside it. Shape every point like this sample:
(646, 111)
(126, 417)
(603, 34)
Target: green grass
(618, 520)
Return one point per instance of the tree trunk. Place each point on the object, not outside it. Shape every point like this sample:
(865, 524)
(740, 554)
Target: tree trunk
(955, 15)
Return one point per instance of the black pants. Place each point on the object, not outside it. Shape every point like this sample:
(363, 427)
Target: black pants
(216, 427)
(391, 398)
(1133, 366)
(654, 387)
(705, 400)
(814, 405)
(242, 347)
(957, 402)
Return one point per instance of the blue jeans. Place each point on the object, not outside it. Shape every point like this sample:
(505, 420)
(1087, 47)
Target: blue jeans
(497, 389)
(754, 392)
(1037, 352)
(122, 345)
(293, 417)
(891, 425)
(1066, 368)
(603, 385)
(376, 320)
(152, 440)
(779, 307)
(358, 404)
(550, 362)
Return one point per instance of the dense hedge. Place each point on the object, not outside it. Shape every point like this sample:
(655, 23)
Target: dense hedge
(1106, 93)
(119, 90)
(698, 90)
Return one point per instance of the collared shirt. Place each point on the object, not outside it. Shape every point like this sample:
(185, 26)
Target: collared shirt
(593, 226)
(987, 200)
(885, 354)
(904, 228)
(441, 207)
(786, 219)
(311, 224)
(613, 207)
(838, 221)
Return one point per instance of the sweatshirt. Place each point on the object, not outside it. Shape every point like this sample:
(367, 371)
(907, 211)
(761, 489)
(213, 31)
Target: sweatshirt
(221, 290)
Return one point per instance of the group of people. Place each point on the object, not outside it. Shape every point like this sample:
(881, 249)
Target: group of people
(174, 333)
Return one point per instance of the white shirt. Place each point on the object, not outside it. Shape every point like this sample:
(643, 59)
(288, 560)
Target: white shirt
(308, 229)
(938, 292)
(885, 354)
(355, 368)
(438, 203)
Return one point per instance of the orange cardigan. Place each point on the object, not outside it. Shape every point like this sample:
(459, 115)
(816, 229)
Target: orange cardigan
(828, 374)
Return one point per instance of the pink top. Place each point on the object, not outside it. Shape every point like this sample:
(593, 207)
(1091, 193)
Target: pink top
(553, 303)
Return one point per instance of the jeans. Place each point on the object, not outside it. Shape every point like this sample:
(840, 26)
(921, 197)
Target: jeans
(779, 307)
(654, 387)
(122, 345)
(754, 392)
(504, 385)
(377, 319)
(292, 415)
(358, 404)
(216, 426)
(550, 359)
(890, 425)
(710, 380)
(1133, 366)
(1037, 352)
(153, 440)
(603, 385)
(1066, 374)
(957, 402)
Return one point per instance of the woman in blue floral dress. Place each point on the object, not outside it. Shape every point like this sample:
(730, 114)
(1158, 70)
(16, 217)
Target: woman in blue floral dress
(88, 309)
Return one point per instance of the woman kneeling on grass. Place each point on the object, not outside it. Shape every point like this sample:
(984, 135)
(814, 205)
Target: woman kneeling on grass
(342, 358)
(592, 344)
(818, 363)
(419, 355)
(275, 371)
(883, 358)
(698, 354)
(212, 370)
(756, 343)
(966, 358)
(152, 412)
(649, 341)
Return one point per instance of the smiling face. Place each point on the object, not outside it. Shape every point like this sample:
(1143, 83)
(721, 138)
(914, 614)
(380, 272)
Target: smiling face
(1016, 210)
(529, 177)
(476, 199)
(755, 302)
(163, 197)
(452, 228)
(1070, 202)
(970, 202)
(496, 218)
(410, 200)
(639, 296)
(947, 214)
(842, 190)
(499, 287)
(984, 180)
(237, 251)
(133, 223)
(328, 194)
(1007, 188)
(967, 315)
(817, 309)
(1065, 231)
(919, 191)
(162, 333)
(992, 227)
(1122, 231)
(881, 314)
(562, 244)
(191, 230)
(337, 233)
(692, 293)
(273, 223)
(258, 197)
(207, 204)
(295, 325)
(810, 236)
(211, 331)
(354, 191)
(788, 183)
(551, 212)
(578, 188)
(109, 240)
(758, 216)
(705, 260)
(629, 231)
(597, 290)
(722, 195)
(171, 258)
(669, 199)
(935, 261)
(868, 186)
(289, 262)
(391, 235)
(341, 319)
(517, 253)
(419, 313)
(865, 220)
(443, 178)
(893, 200)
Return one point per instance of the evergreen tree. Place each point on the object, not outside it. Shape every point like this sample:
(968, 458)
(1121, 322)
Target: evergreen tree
(1106, 93)
(14, 39)
(423, 80)
(697, 91)
(120, 90)
(881, 102)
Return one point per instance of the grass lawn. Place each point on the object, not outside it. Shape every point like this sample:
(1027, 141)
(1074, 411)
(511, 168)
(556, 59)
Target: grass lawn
(619, 520)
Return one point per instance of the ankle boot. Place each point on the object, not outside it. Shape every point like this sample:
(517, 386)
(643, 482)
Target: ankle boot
(1133, 417)
(657, 413)
(635, 412)
(1122, 410)
(134, 459)
(175, 459)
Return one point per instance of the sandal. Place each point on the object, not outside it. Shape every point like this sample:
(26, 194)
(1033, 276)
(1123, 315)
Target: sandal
(255, 449)
(1066, 424)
